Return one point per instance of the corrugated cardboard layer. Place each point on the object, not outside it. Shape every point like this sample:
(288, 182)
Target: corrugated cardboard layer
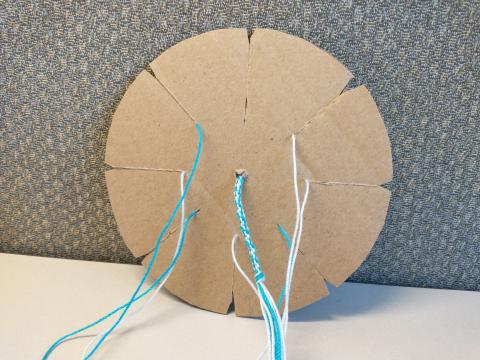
(207, 75)
(289, 81)
(249, 99)
(269, 200)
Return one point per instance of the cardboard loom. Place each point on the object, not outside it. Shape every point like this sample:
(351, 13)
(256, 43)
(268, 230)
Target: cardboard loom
(249, 95)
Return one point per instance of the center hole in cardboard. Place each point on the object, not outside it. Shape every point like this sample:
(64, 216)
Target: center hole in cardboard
(241, 172)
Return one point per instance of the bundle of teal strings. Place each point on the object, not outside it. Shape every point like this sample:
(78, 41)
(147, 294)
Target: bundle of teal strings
(137, 295)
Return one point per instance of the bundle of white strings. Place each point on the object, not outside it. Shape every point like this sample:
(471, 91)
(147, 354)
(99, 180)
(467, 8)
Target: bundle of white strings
(294, 248)
(160, 285)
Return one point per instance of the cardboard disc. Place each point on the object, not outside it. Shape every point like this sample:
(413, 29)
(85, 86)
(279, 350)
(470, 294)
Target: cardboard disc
(249, 95)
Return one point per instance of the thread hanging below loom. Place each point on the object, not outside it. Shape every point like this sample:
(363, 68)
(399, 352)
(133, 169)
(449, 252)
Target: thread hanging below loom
(294, 247)
(136, 296)
(267, 304)
(176, 255)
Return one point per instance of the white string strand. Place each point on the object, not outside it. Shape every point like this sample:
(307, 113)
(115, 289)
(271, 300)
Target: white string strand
(294, 248)
(237, 265)
(296, 235)
(252, 286)
(291, 266)
(89, 346)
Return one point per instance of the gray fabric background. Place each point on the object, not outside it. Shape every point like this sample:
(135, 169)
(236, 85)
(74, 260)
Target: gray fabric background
(65, 66)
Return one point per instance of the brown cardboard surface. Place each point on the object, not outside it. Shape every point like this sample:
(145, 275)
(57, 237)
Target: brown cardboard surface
(289, 81)
(149, 129)
(269, 200)
(347, 141)
(341, 225)
(207, 75)
(142, 202)
(249, 98)
(203, 274)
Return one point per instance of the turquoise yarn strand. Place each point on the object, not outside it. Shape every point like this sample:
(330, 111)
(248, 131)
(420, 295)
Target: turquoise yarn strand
(289, 243)
(113, 312)
(135, 295)
(155, 252)
(285, 235)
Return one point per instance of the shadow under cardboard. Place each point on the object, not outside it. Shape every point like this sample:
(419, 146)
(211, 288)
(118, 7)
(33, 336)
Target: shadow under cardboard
(350, 299)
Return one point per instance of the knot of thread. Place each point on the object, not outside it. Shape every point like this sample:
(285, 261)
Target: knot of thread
(252, 250)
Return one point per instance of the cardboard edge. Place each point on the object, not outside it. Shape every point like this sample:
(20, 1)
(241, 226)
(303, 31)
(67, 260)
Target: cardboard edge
(111, 176)
(385, 132)
(187, 41)
(307, 43)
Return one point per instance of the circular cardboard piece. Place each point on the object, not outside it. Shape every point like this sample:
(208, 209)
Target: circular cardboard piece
(250, 94)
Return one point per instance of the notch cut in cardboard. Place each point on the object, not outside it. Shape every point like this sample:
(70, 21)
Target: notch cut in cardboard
(250, 96)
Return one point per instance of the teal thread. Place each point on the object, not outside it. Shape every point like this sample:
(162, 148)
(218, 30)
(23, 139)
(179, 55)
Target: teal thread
(271, 311)
(287, 239)
(134, 297)
(110, 314)
(155, 252)
(285, 235)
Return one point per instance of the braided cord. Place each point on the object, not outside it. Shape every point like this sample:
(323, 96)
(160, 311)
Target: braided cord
(277, 344)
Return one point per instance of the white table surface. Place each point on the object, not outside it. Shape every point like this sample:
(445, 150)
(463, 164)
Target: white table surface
(42, 299)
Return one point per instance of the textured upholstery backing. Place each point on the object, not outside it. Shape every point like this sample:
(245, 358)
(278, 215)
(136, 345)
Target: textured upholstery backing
(65, 66)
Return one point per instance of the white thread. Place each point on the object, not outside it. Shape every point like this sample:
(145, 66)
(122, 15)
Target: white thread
(250, 283)
(291, 266)
(295, 246)
(282, 337)
(268, 320)
(295, 232)
(294, 249)
(159, 286)
(237, 265)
